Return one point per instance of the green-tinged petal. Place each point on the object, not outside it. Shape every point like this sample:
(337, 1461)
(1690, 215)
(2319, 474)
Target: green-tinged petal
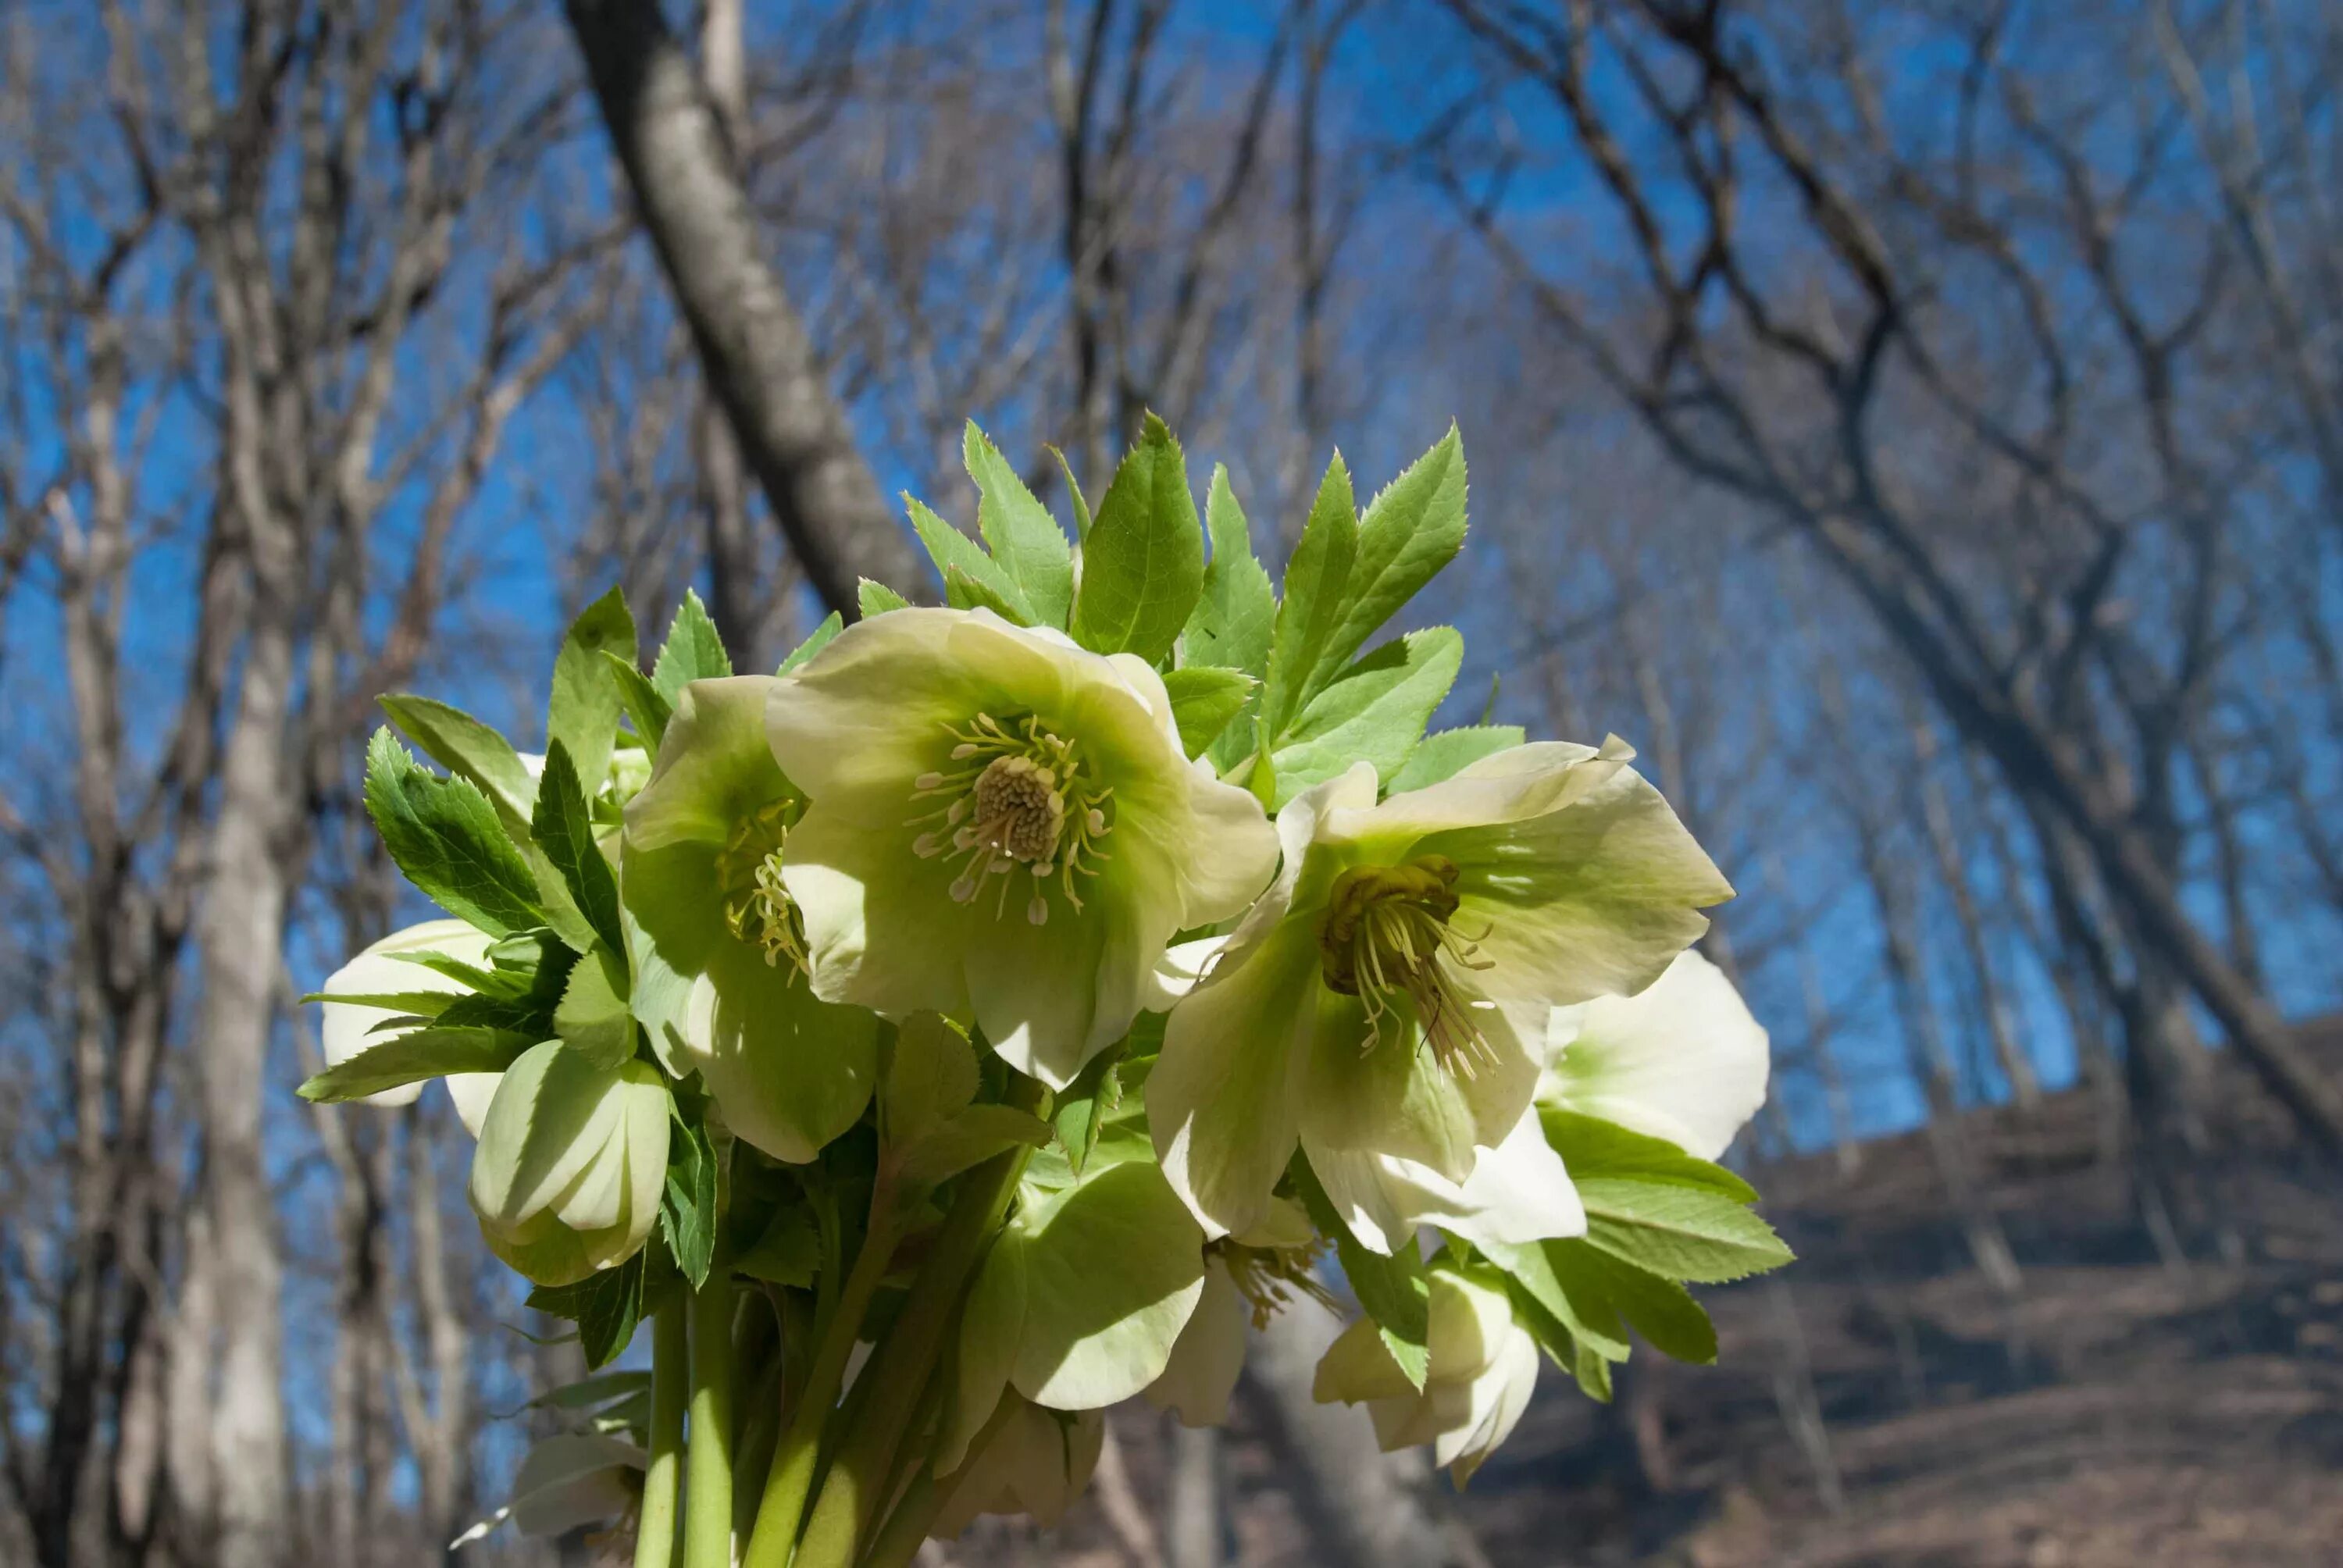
(346, 1028)
(877, 917)
(1682, 1060)
(551, 1116)
(714, 767)
(1201, 1375)
(1112, 1268)
(1494, 1406)
(788, 1072)
(1592, 898)
(1392, 1097)
(1483, 1368)
(1223, 1100)
(1518, 1192)
(1357, 1367)
(1037, 1463)
(573, 1479)
(472, 1094)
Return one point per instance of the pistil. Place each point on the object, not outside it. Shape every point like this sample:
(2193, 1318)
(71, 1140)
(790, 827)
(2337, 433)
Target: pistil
(1016, 797)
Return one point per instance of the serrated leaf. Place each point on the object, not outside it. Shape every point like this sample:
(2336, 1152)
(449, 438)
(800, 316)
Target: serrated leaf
(1662, 1311)
(1590, 1146)
(952, 550)
(412, 1057)
(694, 650)
(423, 1004)
(877, 598)
(493, 982)
(832, 624)
(1678, 1232)
(1237, 614)
(1205, 701)
(592, 1019)
(1412, 528)
(587, 1393)
(1563, 1313)
(1316, 579)
(1024, 538)
(688, 1208)
(1376, 712)
(1087, 1102)
(469, 749)
(1144, 557)
(564, 831)
(963, 591)
(1395, 1290)
(605, 1308)
(1074, 494)
(446, 839)
(584, 711)
(643, 705)
(1445, 753)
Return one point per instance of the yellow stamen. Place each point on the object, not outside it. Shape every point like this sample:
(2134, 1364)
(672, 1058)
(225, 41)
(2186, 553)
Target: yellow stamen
(1389, 933)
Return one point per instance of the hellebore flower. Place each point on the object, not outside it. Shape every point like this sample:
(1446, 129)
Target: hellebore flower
(1036, 1462)
(567, 1481)
(571, 1162)
(1247, 1280)
(1683, 1058)
(1483, 1368)
(720, 959)
(1001, 822)
(346, 1029)
(1391, 994)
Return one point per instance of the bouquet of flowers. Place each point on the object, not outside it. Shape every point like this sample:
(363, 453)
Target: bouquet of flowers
(988, 1016)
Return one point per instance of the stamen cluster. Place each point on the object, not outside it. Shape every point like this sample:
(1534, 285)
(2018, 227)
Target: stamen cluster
(758, 909)
(1389, 933)
(1017, 798)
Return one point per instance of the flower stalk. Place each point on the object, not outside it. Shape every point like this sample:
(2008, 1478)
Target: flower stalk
(670, 1392)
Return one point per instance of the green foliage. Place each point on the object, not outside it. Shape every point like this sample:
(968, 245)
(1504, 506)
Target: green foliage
(1375, 713)
(688, 1208)
(645, 708)
(563, 829)
(1411, 529)
(877, 598)
(1093, 1096)
(446, 838)
(1395, 1290)
(832, 624)
(605, 1308)
(1024, 538)
(1204, 701)
(583, 714)
(971, 577)
(1677, 1232)
(410, 1057)
(693, 650)
(1314, 605)
(1445, 753)
(469, 749)
(1144, 557)
(592, 1019)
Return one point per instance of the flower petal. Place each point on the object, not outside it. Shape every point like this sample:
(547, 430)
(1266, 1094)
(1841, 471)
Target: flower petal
(789, 1072)
(1201, 1375)
(714, 767)
(1682, 1060)
(1393, 1098)
(1093, 1336)
(1517, 1192)
(345, 1029)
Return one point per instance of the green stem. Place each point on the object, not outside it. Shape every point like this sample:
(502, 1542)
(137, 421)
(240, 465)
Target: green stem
(761, 1381)
(915, 1512)
(671, 1386)
(708, 1479)
(800, 1451)
(900, 1368)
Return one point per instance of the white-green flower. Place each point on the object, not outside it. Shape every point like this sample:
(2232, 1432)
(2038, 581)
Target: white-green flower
(999, 822)
(571, 1162)
(1247, 1279)
(720, 955)
(1391, 994)
(1684, 1060)
(1036, 1462)
(566, 1482)
(346, 1029)
(1483, 1368)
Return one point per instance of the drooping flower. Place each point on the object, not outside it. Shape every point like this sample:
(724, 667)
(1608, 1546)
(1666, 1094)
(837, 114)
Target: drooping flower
(1391, 994)
(1036, 1462)
(566, 1482)
(571, 1162)
(1683, 1058)
(719, 953)
(1247, 1280)
(1483, 1368)
(346, 1029)
(1002, 822)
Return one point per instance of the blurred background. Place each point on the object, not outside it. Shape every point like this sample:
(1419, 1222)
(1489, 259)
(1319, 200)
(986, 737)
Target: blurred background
(1917, 427)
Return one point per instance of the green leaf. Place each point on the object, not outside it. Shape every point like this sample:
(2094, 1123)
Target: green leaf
(963, 591)
(1024, 538)
(1143, 558)
(589, 1394)
(1395, 1292)
(1572, 1324)
(1237, 614)
(1590, 1146)
(694, 650)
(1087, 1102)
(493, 982)
(469, 749)
(1676, 1231)
(592, 1019)
(605, 1308)
(788, 1252)
(687, 1210)
(584, 712)
(831, 626)
(411, 1058)
(1204, 701)
(975, 1135)
(563, 829)
(444, 836)
(929, 1078)
(644, 707)
(1376, 712)
(410, 1004)
(953, 551)
(1445, 753)
(1315, 581)
(877, 598)
(1411, 529)
(1660, 1310)
(1074, 494)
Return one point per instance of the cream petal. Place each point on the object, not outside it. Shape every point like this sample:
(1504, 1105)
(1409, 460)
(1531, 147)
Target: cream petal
(345, 1029)
(1037, 1463)
(1494, 1406)
(789, 1072)
(1093, 1335)
(1682, 1060)
(1202, 1372)
(472, 1094)
(1394, 1099)
(1517, 1192)
(714, 767)
(849, 882)
(550, 1120)
(573, 1479)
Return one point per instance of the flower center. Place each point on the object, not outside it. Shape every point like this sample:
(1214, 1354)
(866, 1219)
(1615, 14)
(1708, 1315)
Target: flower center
(1390, 935)
(757, 907)
(1270, 1278)
(1016, 799)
